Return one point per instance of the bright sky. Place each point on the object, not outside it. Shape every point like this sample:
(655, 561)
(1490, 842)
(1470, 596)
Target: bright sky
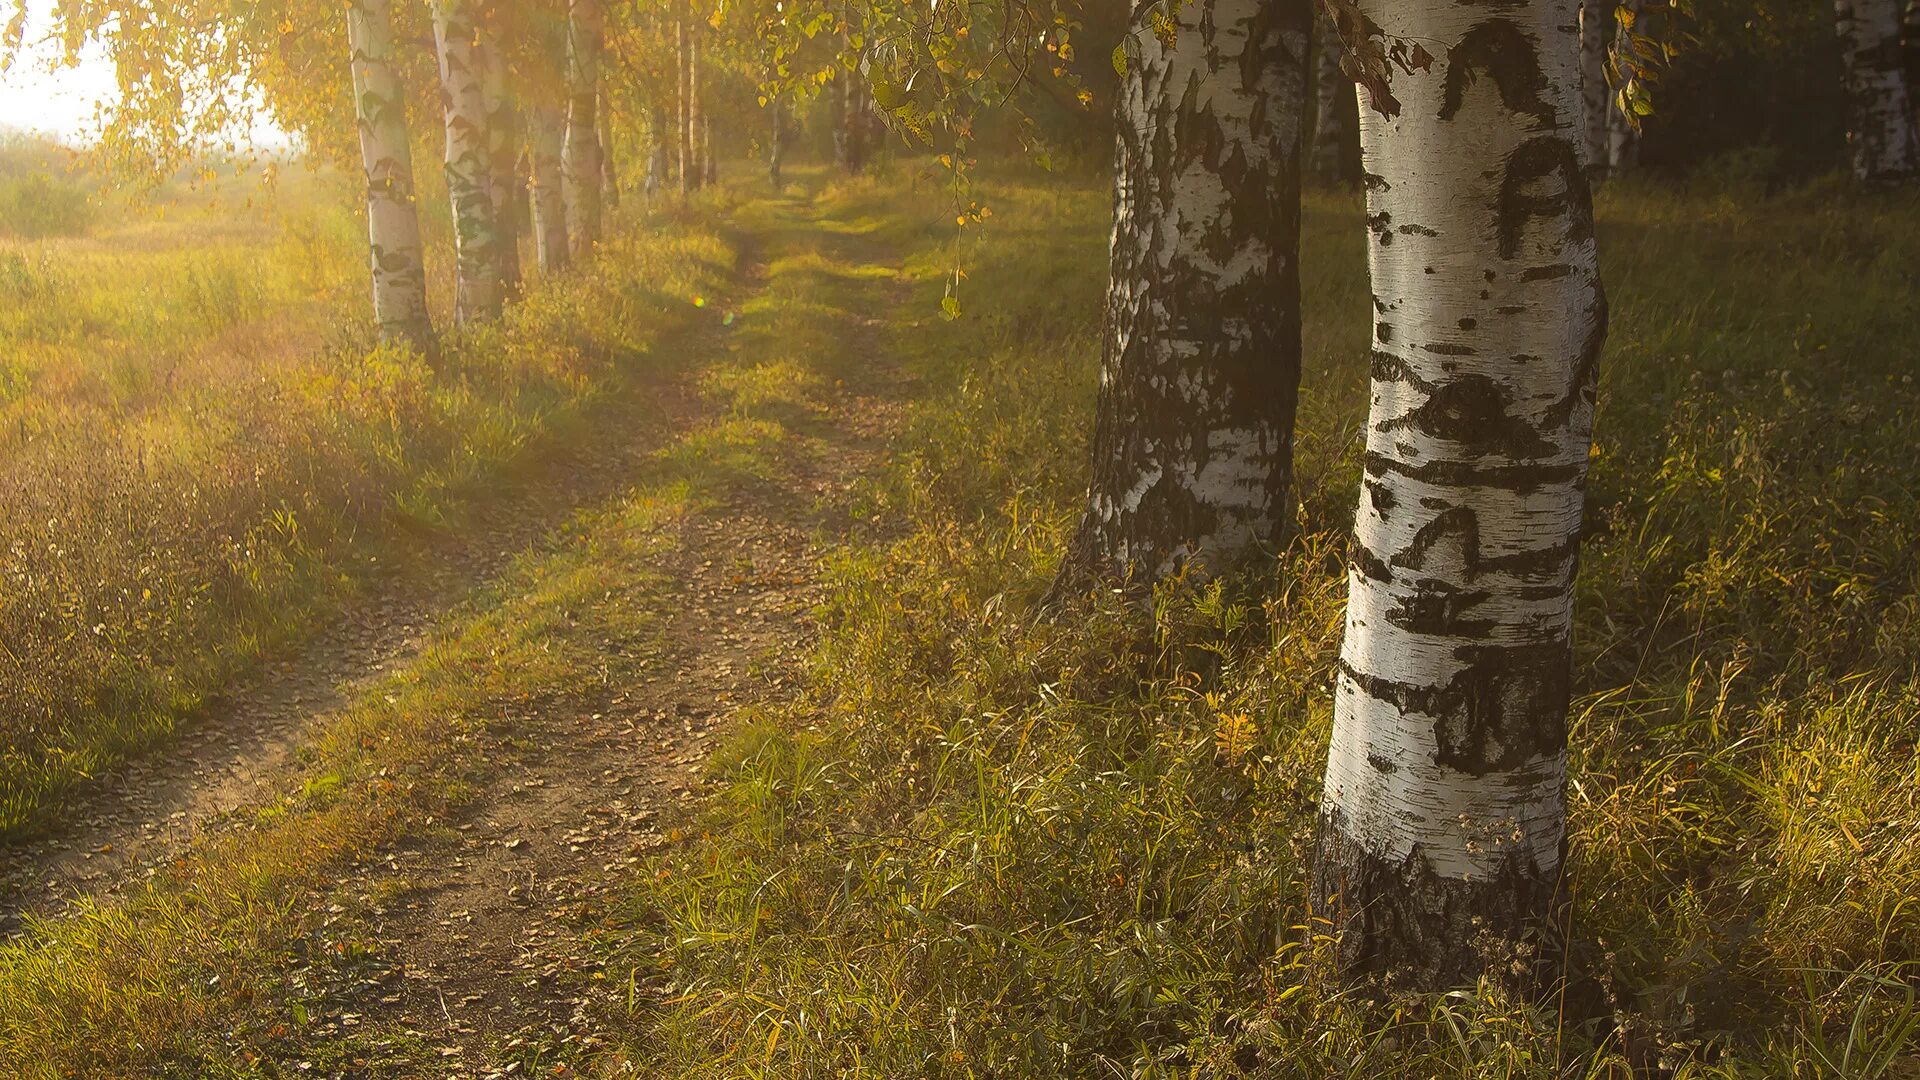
(37, 95)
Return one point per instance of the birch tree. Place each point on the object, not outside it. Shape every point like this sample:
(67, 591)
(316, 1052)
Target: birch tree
(1333, 115)
(1443, 818)
(1192, 444)
(386, 157)
(477, 236)
(586, 29)
(609, 175)
(1596, 30)
(1880, 109)
(683, 46)
(503, 126)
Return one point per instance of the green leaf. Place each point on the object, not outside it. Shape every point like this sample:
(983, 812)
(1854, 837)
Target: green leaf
(950, 306)
(1120, 59)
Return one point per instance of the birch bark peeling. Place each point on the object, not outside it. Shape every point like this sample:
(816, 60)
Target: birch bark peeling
(1880, 106)
(1192, 445)
(586, 31)
(1443, 820)
(476, 230)
(386, 156)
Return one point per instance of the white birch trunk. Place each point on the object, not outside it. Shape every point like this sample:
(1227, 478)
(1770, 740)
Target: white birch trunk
(683, 118)
(1443, 819)
(1880, 107)
(546, 140)
(1193, 438)
(609, 174)
(1596, 32)
(586, 29)
(503, 156)
(479, 292)
(386, 156)
(1623, 142)
(709, 165)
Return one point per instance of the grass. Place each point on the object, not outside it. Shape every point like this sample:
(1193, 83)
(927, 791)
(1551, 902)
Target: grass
(198, 455)
(229, 963)
(979, 844)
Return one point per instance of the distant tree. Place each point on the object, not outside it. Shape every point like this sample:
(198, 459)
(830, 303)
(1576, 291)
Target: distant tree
(1443, 819)
(1596, 34)
(1333, 111)
(386, 157)
(1193, 436)
(1880, 106)
(476, 223)
(586, 33)
(503, 141)
(548, 97)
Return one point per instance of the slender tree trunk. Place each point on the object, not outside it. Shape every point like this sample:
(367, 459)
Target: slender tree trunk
(777, 140)
(1443, 821)
(1623, 142)
(683, 41)
(548, 141)
(586, 27)
(710, 166)
(503, 157)
(609, 173)
(696, 110)
(1193, 436)
(1910, 43)
(386, 156)
(1596, 30)
(657, 164)
(476, 225)
(1880, 108)
(1333, 124)
(849, 129)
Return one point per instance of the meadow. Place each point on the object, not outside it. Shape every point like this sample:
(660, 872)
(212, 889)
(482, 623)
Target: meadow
(201, 450)
(979, 840)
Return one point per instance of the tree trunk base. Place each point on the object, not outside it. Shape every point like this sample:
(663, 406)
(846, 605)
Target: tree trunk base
(1401, 926)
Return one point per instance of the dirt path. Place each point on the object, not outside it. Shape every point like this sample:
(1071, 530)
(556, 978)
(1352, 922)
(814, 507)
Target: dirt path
(476, 956)
(127, 823)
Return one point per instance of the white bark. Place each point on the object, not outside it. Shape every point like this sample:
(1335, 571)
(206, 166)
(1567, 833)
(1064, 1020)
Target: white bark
(586, 28)
(476, 224)
(1193, 439)
(1623, 142)
(393, 224)
(1444, 780)
(1596, 33)
(503, 155)
(546, 138)
(1880, 106)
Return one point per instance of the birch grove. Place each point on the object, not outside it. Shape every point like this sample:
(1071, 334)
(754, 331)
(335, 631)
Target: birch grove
(1192, 446)
(386, 156)
(1443, 818)
(477, 236)
(1881, 135)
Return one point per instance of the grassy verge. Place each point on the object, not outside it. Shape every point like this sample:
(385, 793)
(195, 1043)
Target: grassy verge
(239, 961)
(978, 845)
(190, 475)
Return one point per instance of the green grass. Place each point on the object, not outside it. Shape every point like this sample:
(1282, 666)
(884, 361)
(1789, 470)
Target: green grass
(225, 963)
(981, 844)
(198, 456)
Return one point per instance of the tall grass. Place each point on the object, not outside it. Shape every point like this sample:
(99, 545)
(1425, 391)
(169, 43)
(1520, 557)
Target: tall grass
(193, 441)
(985, 844)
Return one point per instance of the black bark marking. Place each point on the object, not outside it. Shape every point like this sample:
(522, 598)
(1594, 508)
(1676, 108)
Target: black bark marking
(1383, 331)
(1498, 48)
(1468, 324)
(1476, 412)
(1521, 477)
(1398, 924)
(1506, 706)
(1382, 497)
(1460, 521)
(1535, 160)
(1438, 608)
